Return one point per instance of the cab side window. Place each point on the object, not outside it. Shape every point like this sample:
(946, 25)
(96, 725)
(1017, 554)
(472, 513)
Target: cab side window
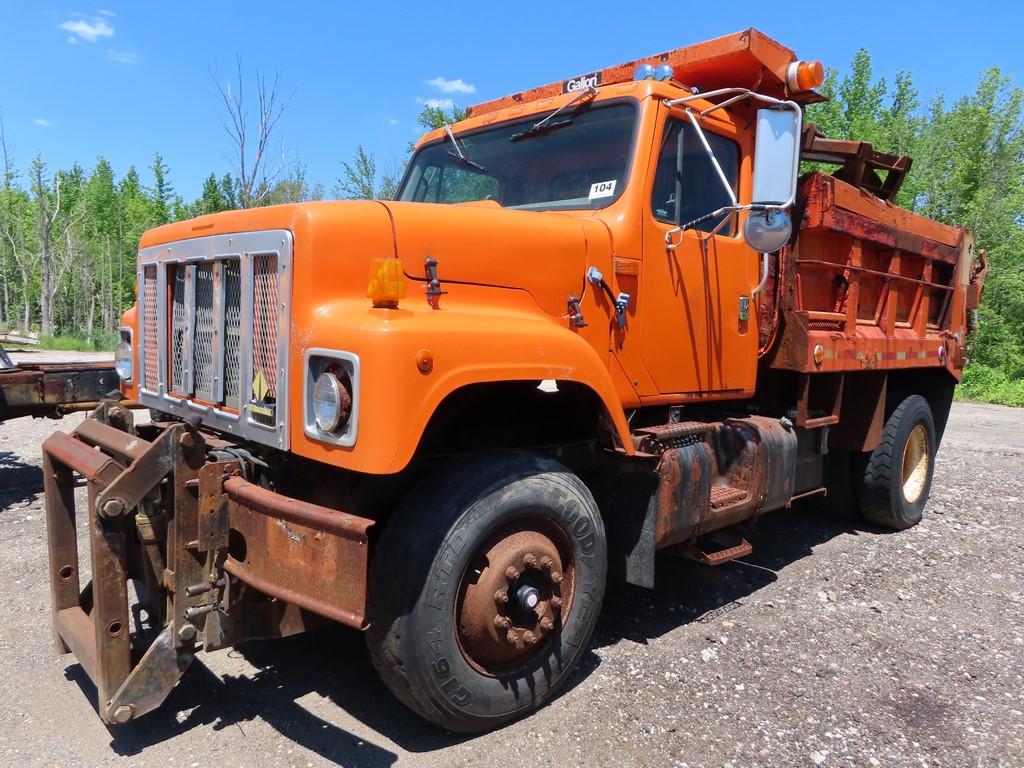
(686, 185)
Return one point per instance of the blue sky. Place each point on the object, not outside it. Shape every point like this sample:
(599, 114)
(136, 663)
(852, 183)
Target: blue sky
(125, 80)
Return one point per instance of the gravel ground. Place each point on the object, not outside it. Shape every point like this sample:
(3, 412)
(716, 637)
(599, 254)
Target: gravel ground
(831, 645)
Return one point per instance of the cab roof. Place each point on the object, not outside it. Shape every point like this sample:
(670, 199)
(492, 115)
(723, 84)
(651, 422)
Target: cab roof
(747, 59)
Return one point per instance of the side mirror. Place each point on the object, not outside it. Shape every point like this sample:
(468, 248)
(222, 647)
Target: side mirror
(776, 156)
(767, 231)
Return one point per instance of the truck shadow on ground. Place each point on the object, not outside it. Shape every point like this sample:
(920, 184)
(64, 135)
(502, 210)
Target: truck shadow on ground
(18, 481)
(334, 663)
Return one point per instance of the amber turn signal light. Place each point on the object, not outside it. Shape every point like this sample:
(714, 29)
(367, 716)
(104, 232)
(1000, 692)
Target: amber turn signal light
(805, 75)
(387, 283)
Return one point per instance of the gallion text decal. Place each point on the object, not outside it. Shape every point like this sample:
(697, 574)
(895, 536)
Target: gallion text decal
(574, 84)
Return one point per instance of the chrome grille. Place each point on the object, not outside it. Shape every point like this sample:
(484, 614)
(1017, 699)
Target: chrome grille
(202, 338)
(264, 319)
(214, 333)
(179, 331)
(151, 362)
(232, 332)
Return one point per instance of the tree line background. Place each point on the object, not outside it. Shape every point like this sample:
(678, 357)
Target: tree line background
(68, 237)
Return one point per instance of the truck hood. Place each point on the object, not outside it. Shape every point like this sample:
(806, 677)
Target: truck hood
(544, 253)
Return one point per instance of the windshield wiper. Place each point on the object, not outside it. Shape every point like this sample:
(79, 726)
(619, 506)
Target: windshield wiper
(458, 154)
(544, 126)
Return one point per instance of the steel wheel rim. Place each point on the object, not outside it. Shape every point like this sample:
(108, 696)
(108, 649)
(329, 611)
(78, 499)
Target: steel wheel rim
(496, 631)
(916, 461)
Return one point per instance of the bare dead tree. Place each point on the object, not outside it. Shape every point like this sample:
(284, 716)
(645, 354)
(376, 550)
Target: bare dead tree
(51, 265)
(255, 169)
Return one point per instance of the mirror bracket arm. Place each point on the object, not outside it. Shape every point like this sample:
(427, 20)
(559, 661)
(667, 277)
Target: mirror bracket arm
(671, 244)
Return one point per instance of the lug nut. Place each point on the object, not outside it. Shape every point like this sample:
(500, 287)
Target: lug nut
(513, 638)
(187, 633)
(556, 577)
(511, 573)
(529, 638)
(546, 623)
(530, 560)
(502, 622)
(501, 597)
(555, 603)
(547, 563)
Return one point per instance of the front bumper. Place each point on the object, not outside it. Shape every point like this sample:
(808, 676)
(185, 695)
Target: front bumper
(213, 558)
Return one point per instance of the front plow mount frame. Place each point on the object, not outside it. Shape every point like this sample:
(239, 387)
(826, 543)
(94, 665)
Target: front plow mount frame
(212, 558)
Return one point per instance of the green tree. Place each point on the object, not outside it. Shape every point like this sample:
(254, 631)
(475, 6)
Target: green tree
(163, 192)
(360, 180)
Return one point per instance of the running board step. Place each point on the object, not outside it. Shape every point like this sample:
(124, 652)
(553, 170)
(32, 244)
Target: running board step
(664, 436)
(725, 496)
(695, 552)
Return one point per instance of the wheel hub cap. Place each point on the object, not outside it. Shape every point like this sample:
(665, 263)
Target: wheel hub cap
(514, 597)
(915, 463)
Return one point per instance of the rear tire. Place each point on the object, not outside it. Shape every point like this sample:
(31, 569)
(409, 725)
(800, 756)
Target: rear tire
(894, 480)
(440, 637)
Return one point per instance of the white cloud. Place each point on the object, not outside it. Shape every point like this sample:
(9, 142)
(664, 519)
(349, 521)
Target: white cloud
(445, 85)
(86, 30)
(41, 121)
(436, 103)
(122, 57)
(105, 12)
(392, 121)
(74, 40)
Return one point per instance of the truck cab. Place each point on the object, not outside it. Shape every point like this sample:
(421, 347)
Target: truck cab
(603, 318)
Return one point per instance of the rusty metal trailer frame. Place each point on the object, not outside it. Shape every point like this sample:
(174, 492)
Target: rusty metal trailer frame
(219, 559)
(52, 389)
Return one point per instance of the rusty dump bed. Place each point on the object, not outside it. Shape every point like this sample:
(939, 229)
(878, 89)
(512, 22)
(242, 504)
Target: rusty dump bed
(867, 285)
(52, 389)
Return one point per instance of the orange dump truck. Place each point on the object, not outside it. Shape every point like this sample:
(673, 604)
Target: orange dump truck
(603, 318)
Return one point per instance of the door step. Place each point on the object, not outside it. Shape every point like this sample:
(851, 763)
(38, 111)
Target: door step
(696, 552)
(726, 496)
(665, 436)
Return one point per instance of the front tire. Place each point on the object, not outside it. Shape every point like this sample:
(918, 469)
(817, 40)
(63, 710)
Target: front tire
(894, 480)
(485, 588)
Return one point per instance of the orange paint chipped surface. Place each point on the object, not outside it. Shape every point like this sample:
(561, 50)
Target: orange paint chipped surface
(506, 278)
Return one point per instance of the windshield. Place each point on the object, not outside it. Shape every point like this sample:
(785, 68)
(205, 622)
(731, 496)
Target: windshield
(582, 163)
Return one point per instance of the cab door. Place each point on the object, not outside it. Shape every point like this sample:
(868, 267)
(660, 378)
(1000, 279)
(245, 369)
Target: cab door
(700, 333)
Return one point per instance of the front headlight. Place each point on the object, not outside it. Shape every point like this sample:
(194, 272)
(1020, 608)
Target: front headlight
(332, 403)
(123, 356)
(330, 396)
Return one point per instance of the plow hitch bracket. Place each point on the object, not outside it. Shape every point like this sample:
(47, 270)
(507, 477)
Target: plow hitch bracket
(215, 559)
(122, 473)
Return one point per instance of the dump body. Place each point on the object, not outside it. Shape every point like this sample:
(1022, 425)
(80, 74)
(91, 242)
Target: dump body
(875, 286)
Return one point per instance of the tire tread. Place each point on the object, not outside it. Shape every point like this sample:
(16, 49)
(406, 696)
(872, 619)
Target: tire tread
(876, 481)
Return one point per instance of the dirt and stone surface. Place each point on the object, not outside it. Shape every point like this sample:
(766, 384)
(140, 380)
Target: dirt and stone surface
(832, 645)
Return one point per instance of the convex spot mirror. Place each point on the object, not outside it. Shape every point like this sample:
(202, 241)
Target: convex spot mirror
(776, 156)
(767, 231)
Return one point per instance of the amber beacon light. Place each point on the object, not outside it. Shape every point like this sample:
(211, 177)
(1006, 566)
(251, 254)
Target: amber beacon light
(387, 283)
(805, 75)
